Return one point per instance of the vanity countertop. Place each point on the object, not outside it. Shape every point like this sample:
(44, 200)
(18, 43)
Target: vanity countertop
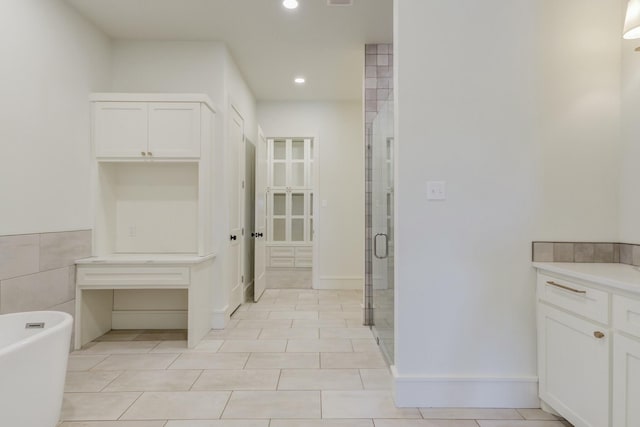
(617, 276)
(145, 259)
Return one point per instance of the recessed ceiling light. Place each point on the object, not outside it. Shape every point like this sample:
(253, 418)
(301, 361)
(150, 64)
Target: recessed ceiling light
(299, 80)
(290, 4)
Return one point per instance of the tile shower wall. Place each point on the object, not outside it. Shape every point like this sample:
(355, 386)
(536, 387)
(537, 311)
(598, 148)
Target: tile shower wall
(378, 87)
(37, 271)
(622, 253)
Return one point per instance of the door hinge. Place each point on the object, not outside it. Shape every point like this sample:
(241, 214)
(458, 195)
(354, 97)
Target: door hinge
(243, 231)
(242, 184)
(242, 279)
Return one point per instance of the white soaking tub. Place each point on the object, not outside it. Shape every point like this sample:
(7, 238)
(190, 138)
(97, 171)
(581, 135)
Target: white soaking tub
(34, 348)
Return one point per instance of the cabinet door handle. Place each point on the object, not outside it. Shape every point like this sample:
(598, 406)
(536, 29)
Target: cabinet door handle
(567, 288)
(150, 153)
(598, 335)
(143, 153)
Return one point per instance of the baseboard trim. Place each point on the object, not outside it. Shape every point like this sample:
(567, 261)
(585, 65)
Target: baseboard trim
(149, 319)
(481, 392)
(339, 282)
(219, 318)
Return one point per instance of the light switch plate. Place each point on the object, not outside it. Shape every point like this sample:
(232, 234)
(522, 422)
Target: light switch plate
(436, 190)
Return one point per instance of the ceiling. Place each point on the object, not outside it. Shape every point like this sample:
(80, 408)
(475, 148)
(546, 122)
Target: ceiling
(270, 44)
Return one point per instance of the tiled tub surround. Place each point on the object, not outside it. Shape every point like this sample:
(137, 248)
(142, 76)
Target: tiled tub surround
(622, 253)
(37, 271)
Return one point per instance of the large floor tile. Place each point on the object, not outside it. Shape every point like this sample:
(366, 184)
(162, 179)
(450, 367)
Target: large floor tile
(119, 347)
(233, 334)
(264, 324)
(250, 315)
(159, 380)
(303, 323)
(253, 346)
(352, 360)
(345, 333)
(537, 414)
(113, 424)
(321, 423)
(298, 315)
(283, 360)
(273, 307)
(332, 315)
(470, 414)
(376, 379)
(124, 362)
(523, 423)
(364, 345)
(425, 423)
(363, 404)
(210, 361)
(95, 406)
(89, 381)
(320, 379)
(305, 306)
(78, 362)
(290, 333)
(206, 346)
(245, 379)
(181, 405)
(273, 404)
(320, 346)
(218, 423)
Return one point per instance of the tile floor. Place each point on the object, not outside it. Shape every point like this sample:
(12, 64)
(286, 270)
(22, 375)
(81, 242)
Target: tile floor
(298, 358)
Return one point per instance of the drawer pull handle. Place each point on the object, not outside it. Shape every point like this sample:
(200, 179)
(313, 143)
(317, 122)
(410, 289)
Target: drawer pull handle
(567, 288)
(598, 335)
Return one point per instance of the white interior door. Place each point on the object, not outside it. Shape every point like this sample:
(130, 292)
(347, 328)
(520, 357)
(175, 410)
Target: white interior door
(236, 157)
(260, 234)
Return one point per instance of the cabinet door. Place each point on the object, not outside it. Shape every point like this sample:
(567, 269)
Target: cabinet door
(573, 366)
(174, 129)
(120, 129)
(626, 382)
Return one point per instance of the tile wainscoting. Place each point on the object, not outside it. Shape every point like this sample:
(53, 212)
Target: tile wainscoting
(622, 253)
(37, 271)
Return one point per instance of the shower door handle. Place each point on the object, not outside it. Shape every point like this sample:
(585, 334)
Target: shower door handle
(386, 246)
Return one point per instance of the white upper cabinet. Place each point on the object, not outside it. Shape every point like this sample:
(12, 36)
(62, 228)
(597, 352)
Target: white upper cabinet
(174, 129)
(161, 128)
(120, 129)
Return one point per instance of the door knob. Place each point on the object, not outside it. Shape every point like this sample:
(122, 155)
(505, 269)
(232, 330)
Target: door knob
(259, 234)
(233, 237)
(598, 334)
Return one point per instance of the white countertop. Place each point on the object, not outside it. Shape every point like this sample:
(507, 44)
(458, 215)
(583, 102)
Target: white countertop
(617, 276)
(146, 259)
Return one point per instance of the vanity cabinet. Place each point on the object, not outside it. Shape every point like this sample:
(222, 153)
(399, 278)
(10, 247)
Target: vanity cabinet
(124, 127)
(626, 362)
(588, 320)
(153, 243)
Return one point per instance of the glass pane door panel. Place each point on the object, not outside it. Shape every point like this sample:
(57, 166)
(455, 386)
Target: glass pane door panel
(310, 204)
(297, 150)
(279, 150)
(297, 204)
(297, 174)
(279, 230)
(382, 228)
(279, 174)
(297, 229)
(280, 204)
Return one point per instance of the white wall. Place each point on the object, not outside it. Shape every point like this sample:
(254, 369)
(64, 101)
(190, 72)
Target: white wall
(630, 156)
(340, 225)
(514, 105)
(195, 67)
(52, 60)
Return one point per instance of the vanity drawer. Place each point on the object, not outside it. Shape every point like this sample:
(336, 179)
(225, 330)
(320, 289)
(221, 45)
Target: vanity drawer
(304, 262)
(276, 251)
(281, 262)
(583, 300)
(142, 277)
(626, 315)
(304, 252)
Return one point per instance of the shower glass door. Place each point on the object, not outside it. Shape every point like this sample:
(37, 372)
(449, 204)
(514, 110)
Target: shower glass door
(382, 228)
